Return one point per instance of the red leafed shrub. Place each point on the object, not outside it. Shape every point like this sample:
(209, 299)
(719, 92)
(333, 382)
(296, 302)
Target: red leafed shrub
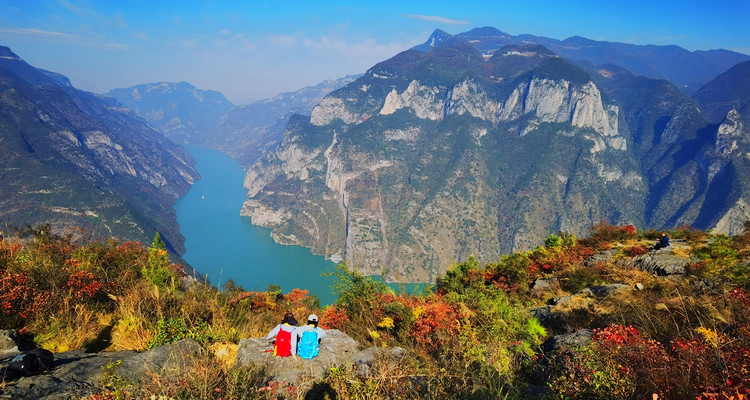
(637, 250)
(551, 261)
(435, 323)
(604, 233)
(645, 361)
(297, 295)
(334, 317)
(83, 284)
(19, 300)
(719, 363)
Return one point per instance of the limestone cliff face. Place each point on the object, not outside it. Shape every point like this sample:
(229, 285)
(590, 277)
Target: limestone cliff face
(402, 175)
(432, 157)
(77, 160)
(731, 150)
(543, 99)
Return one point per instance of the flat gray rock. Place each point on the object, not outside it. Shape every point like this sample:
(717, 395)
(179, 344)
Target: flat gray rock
(661, 263)
(336, 348)
(77, 374)
(572, 340)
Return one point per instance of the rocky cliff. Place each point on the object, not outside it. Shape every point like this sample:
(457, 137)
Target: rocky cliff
(83, 162)
(402, 173)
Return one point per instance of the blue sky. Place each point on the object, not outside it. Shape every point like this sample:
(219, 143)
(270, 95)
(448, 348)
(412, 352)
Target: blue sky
(251, 50)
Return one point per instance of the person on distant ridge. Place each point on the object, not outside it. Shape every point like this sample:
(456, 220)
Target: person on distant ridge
(306, 339)
(663, 242)
(282, 346)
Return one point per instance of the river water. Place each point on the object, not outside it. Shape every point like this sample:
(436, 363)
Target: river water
(221, 244)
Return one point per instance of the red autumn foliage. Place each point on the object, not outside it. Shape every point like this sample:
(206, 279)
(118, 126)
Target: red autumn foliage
(18, 298)
(437, 321)
(637, 250)
(83, 284)
(334, 317)
(297, 295)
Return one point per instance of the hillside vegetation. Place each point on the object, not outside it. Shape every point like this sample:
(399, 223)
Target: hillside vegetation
(473, 335)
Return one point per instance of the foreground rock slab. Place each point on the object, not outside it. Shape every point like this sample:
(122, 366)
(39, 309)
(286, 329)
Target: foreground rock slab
(336, 348)
(77, 374)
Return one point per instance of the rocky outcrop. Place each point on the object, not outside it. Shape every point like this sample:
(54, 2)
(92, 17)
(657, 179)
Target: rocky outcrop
(543, 99)
(336, 348)
(74, 159)
(661, 263)
(332, 108)
(573, 340)
(77, 374)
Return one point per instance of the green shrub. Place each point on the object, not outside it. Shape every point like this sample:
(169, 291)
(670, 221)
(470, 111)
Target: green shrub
(158, 271)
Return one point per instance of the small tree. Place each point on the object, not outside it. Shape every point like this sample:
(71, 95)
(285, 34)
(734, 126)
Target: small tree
(157, 271)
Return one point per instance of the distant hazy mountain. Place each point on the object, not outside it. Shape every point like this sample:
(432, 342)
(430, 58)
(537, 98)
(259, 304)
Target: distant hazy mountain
(248, 132)
(436, 155)
(79, 160)
(183, 112)
(685, 69)
(730, 90)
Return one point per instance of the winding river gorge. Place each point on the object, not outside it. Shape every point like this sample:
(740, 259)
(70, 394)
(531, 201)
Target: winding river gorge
(221, 244)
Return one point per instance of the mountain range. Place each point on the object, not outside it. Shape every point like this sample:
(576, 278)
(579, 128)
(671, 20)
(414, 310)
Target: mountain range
(183, 112)
(688, 70)
(480, 143)
(82, 162)
(483, 144)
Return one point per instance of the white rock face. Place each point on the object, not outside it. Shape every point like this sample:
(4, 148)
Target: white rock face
(609, 173)
(468, 98)
(547, 100)
(557, 101)
(262, 215)
(732, 222)
(96, 138)
(729, 132)
(331, 108)
(425, 102)
(296, 161)
(69, 135)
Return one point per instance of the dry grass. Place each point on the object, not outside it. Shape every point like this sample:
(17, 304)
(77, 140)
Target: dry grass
(133, 331)
(71, 330)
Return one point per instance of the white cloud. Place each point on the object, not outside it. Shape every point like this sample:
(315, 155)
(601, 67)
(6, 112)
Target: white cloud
(65, 37)
(38, 33)
(143, 35)
(120, 21)
(283, 40)
(436, 18)
(366, 48)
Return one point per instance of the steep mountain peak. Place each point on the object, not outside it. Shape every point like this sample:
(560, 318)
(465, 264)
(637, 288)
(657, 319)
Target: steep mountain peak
(14, 64)
(437, 38)
(5, 52)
